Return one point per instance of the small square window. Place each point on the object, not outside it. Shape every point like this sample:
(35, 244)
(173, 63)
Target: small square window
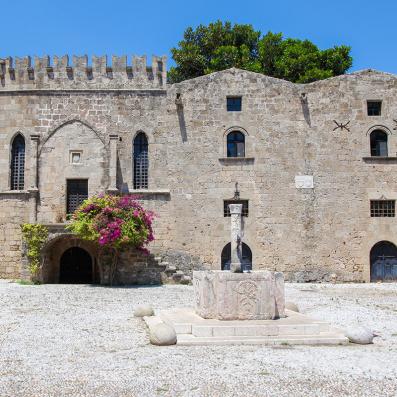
(233, 104)
(75, 157)
(383, 208)
(374, 108)
(226, 210)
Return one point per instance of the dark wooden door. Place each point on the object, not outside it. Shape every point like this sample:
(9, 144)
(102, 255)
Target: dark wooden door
(75, 267)
(384, 262)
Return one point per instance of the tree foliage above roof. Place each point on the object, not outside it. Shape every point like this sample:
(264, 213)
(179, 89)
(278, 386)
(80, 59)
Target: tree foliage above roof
(221, 45)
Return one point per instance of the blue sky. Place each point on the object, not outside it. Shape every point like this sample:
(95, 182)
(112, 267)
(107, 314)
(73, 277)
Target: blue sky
(125, 27)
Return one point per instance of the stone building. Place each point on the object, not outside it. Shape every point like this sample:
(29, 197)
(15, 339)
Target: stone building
(314, 166)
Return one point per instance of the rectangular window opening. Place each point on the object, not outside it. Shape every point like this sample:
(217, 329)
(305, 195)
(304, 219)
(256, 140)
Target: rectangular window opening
(374, 108)
(226, 211)
(383, 208)
(233, 104)
(76, 193)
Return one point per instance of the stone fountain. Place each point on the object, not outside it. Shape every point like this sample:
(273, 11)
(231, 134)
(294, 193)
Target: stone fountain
(237, 307)
(238, 295)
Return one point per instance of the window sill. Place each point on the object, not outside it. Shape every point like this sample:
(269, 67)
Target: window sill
(237, 160)
(15, 193)
(150, 192)
(380, 160)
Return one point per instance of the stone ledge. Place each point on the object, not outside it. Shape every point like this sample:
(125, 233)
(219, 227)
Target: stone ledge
(147, 193)
(15, 193)
(236, 160)
(380, 160)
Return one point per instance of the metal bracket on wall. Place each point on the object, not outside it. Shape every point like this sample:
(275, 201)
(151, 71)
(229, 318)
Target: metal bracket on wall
(342, 126)
(395, 127)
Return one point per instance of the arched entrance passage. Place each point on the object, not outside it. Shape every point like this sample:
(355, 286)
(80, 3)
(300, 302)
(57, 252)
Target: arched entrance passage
(226, 257)
(383, 258)
(75, 267)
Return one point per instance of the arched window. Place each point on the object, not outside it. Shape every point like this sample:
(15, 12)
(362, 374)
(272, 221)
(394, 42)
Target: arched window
(141, 161)
(226, 257)
(235, 144)
(383, 258)
(18, 163)
(378, 139)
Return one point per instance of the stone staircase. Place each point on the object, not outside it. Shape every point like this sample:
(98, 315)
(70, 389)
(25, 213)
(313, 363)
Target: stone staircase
(170, 274)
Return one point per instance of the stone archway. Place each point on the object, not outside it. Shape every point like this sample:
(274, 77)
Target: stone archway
(76, 267)
(246, 257)
(66, 249)
(383, 260)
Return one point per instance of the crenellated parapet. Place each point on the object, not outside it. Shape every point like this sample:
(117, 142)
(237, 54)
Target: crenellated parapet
(58, 73)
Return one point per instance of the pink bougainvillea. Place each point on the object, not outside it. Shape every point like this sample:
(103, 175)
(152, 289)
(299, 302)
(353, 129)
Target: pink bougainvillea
(114, 221)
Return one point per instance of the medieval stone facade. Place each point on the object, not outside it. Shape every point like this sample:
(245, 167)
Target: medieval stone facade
(311, 162)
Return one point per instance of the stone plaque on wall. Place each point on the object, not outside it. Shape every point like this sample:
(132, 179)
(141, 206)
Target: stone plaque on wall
(304, 182)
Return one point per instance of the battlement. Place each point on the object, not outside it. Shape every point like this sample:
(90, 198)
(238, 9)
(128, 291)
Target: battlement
(23, 74)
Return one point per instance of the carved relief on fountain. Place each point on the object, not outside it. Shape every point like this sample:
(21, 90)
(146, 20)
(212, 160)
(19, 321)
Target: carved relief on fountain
(239, 296)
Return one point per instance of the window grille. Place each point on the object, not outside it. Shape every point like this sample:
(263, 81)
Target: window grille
(18, 163)
(235, 144)
(378, 141)
(383, 208)
(141, 162)
(374, 108)
(233, 104)
(76, 192)
(226, 210)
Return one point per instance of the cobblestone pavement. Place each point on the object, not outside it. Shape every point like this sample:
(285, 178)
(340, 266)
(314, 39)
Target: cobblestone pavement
(81, 340)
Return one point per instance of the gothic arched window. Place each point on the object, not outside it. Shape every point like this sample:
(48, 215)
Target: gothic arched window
(235, 144)
(378, 140)
(141, 161)
(18, 163)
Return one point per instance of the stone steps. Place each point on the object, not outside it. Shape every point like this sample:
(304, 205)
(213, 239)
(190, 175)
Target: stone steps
(295, 329)
(320, 339)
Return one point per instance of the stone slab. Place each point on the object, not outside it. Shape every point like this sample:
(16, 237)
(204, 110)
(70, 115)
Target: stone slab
(294, 328)
(229, 296)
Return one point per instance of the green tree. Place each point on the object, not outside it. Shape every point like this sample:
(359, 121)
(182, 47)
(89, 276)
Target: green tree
(220, 46)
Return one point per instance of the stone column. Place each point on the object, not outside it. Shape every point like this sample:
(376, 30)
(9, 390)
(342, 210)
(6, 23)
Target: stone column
(32, 179)
(235, 242)
(113, 164)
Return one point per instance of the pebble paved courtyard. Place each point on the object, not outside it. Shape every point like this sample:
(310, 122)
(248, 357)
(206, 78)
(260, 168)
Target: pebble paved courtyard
(82, 340)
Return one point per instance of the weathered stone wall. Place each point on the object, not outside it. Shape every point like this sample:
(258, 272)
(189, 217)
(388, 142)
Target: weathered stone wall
(309, 234)
(13, 212)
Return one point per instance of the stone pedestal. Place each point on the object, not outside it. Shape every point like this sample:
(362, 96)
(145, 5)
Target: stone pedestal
(225, 295)
(236, 243)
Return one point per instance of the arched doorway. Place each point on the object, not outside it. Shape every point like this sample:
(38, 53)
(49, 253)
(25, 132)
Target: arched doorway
(246, 257)
(383, 258)
(75, 267)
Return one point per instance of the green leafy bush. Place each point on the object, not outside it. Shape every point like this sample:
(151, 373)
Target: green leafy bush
(35, 236)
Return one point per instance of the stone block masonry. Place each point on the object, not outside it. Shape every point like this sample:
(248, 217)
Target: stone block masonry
(319, 232)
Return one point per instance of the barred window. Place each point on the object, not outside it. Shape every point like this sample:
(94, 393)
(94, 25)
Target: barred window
(383, 208)
(374, 108)
(141, 161)
(18, 163)
(226, 210)
(76, 192)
